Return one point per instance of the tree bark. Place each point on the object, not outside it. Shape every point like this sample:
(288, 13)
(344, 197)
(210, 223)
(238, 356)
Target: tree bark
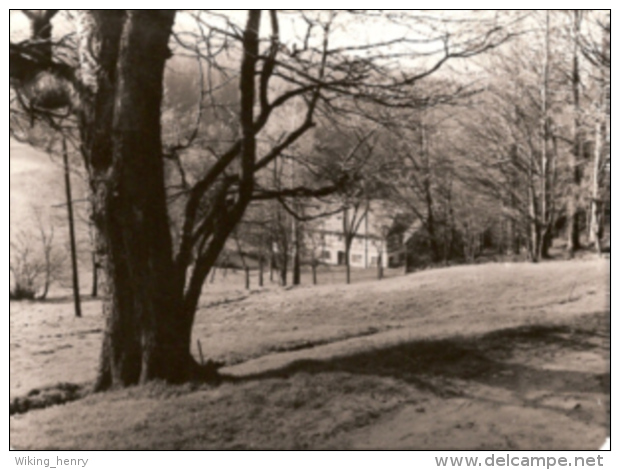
(122, 58)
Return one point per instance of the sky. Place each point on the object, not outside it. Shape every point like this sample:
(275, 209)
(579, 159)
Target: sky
(360, 29)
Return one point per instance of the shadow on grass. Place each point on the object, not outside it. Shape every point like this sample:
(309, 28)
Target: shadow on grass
(437, 365)
(431, 365)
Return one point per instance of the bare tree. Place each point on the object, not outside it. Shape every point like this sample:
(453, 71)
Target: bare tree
(72, 243)
(576, 162)
(35, 261)
(600, 177)
(355, 213)
(115, 87)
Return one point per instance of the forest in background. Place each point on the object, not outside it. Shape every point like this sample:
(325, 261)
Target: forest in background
(491, 131)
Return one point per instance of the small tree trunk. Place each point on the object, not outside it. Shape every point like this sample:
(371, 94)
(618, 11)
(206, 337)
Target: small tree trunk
(74, 266)
(247, 278)
(283, 269)
(406, 257)
(46, 288)
(547, 241)
(296, 265)
(296, 249)
(576, 154)
(512, 242)
(347, 261)
(272, 265)
(95, 283)
(380, 266)
(597, 206)
(532, 223)
(517, 243)
(314, 280)
(544, 226)
(260, 271)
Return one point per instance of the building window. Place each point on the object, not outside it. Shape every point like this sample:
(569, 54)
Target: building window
(356, 258)
(326, 255)
(373, 260)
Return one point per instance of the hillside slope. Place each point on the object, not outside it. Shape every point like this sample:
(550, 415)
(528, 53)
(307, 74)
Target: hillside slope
(494, 356)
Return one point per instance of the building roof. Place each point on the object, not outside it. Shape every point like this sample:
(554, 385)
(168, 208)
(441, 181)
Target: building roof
(384, 220)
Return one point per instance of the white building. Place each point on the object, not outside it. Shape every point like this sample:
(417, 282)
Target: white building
(378, 236)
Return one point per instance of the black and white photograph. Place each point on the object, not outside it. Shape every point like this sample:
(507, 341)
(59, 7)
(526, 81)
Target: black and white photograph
(309, 230)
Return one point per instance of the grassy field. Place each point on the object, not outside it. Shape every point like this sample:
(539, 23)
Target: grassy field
(496, 356)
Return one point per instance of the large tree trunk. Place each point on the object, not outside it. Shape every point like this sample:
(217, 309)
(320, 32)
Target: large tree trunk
(147, 333)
